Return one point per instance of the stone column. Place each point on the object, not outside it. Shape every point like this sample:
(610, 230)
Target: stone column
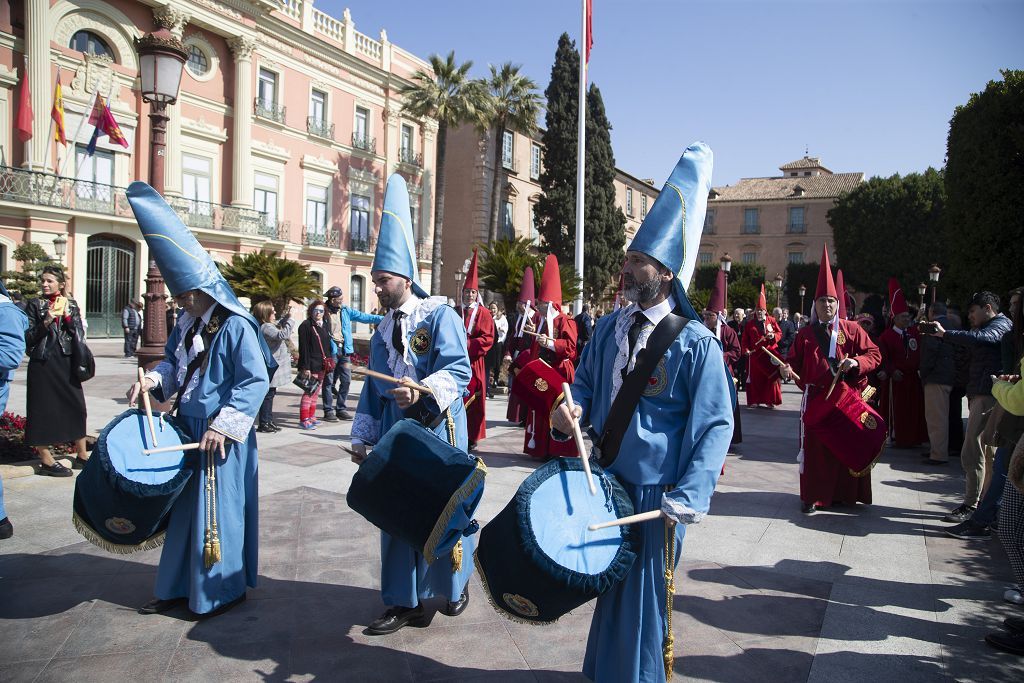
(37, 47)
(241, 171)
(174, 20)
(430, 128)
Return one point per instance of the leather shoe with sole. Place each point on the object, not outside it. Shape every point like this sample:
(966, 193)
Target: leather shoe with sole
(1014, 624)
(396, 618)
(1007, 642)
(454, 609)
(158, 606)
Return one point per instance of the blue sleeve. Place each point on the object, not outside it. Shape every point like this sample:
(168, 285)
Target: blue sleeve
(13, 324)
(449, 366)
(242, 352)
(360, 317)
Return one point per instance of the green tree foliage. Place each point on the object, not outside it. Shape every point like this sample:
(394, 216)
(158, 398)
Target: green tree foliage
(745, 280)
(805, 274)
(446, 94)
(502, 264)
(32, 258)
(889, 227)
(263, 276)
(984, 221)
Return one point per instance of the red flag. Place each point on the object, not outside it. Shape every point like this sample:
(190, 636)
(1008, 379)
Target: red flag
(23, 125)
(105, 123)
(590, 29)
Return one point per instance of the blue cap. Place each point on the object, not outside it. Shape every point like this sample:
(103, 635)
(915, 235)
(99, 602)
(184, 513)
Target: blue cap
(396, 248)
(671, 232)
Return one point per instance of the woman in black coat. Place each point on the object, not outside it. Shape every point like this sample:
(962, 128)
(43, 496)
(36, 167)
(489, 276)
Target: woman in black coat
(314, 353)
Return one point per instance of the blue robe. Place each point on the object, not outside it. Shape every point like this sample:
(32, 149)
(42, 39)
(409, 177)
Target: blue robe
(671, 456)
(225, 396)
(436, 357)
(13, 324)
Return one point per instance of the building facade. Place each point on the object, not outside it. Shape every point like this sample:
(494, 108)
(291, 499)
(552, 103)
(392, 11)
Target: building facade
(776, 220)
(287, 125)
(469, 176)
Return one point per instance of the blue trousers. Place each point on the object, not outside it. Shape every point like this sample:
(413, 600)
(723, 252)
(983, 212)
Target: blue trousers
(988, 508)
(335, 392)
(5, 390)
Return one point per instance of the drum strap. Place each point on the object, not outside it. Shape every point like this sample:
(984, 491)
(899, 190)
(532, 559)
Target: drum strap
(200, 360)
(628, 398)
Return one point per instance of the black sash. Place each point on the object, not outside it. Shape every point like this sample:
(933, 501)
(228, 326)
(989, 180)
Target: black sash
(199, 361)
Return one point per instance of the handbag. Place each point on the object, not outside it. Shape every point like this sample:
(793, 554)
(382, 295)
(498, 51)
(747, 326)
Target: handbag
(308, 384)
(83, 364)
(329, 363)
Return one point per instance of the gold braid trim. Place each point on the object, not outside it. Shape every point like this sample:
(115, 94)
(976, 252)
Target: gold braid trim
(670, 591)
(450, 421)
(498, 608)
(457, 557)
(82, 527)
(464, 492)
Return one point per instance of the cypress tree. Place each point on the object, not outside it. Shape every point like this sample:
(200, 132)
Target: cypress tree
(605, 224)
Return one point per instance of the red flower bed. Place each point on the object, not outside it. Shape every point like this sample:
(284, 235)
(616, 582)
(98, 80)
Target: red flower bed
(12, 440)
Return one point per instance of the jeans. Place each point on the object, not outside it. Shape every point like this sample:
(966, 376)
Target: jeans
(131, 342)
(335, 392)
(988, 508)
(267, 408)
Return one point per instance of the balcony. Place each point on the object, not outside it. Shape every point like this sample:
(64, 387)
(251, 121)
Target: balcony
(363, 244)
(751, 229)
(796, 228)
(319, 128)
(313, 236)
(407, 156)
(269, 110)
(364, 142)
(208, 216)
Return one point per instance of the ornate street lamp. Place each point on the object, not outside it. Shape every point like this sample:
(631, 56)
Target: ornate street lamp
(60, 247)
(161, 60)
(933, 278)
(726, 265)
(778, 290)
(803, 291)
(922, 289)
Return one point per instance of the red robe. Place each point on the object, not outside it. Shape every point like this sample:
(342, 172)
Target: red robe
(479, 341)
(731, 350)
(824, 478)
(762, 376)
(513, 347)
(538, 425)
(902, 401)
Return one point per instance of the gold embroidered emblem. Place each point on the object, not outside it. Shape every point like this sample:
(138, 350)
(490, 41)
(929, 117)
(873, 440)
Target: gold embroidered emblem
(912, 343)
(420, 342)
(540, 384)
(520, 605)
(213, 325)
(119, 525)
(657, 382)
(868, 420)
(840, 338)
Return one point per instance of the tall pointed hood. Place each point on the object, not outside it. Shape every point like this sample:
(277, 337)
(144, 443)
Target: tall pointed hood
(841, 292)
(472, 278)
(716, 302)
(671, 232)
(762, 300)
(826, 286)
(396, 250)
(528, 290)
(551, 282)
(897, 301)
(184, 263)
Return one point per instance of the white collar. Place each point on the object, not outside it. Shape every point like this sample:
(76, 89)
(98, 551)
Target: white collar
(208, 314)
(659, 311)
(409, 306)
(897, 330)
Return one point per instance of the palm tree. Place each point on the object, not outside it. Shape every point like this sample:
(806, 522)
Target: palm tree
(262, 276)
(503, 262)
(449, 97)
(513, 104)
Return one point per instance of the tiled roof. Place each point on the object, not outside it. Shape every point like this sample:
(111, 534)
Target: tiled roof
(806, 162)
(814, 187)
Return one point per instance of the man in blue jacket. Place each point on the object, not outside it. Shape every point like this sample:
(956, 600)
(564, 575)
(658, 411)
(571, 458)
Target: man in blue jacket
(12, 347)
(338, 322)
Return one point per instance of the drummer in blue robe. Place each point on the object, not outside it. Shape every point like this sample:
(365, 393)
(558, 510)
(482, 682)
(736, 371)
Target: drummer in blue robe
(424, 339)
(216, 366)
(13, 324)
(675, 442)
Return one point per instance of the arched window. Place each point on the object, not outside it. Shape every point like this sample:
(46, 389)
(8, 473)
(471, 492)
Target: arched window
(90, 43)
(197, 63)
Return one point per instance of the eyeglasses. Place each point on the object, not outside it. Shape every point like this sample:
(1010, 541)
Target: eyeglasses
(318, 310)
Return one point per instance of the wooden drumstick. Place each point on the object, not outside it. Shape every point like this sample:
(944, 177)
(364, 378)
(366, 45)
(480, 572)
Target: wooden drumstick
(171, 449)
(388, 378)
(146, 404)
(578, 435)
(782, 363)
(632, 519)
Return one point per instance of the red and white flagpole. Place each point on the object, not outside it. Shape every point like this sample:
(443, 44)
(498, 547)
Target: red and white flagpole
(581, 148)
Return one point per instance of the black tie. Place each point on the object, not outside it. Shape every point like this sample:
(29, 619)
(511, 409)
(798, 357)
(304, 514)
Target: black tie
(192, 334)
(397, 338)
(639, 319)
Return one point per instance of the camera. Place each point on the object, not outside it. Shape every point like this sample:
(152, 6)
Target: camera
(928, 327)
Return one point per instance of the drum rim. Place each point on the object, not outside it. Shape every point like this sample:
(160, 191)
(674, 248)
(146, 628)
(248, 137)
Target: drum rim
(119, 481)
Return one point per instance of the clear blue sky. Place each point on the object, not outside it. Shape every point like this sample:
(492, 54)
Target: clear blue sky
(866, 85)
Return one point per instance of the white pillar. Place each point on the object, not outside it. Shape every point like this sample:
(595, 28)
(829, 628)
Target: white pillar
(37, 47)
(241, 170)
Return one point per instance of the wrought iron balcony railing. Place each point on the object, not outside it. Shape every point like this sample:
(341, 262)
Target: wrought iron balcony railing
(46, 189)
(197, 214)
(408, 156)
(365, 244)
(364, 142)
(315, 236)
(319, 127)
(268, 109)
(797, 227)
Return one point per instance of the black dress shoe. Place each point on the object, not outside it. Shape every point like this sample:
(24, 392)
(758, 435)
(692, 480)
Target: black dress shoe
(396, 618)
(1007, 642)
(6, 528)
(158, 606)
(454, 609)
(265, 428)
(223, 608)
(808, 508)
(273, 427)
(1014, 624)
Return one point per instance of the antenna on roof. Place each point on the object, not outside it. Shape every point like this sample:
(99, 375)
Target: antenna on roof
(807, 150)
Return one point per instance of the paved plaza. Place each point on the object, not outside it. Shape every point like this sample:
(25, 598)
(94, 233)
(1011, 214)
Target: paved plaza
(872, 593)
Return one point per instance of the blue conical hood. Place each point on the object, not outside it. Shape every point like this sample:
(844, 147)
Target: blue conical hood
(396, 247)
(670, 234)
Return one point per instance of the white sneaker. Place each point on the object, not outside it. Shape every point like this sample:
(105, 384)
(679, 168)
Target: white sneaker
(1013, 595)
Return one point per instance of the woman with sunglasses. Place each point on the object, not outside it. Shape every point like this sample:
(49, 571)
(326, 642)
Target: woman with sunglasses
(315, 359)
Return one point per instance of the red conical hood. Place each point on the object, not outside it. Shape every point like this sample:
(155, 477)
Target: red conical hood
(716, 302)
(528, 290)
(841, 290)
(551, 282)
(472, 280)
(897, 302)
(826, 287)
(762, 300)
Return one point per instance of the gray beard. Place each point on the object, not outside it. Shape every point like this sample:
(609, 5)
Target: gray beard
(642, 292)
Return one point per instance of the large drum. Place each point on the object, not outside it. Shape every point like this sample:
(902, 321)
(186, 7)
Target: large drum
(538, 560)
(420, 489)
(849, 427)
(123, 498)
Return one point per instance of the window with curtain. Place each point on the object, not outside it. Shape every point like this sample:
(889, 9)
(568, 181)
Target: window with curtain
(265, 196)
(316, 210)
(355, 297)
(267, 88)
(751, 221)
(359, 223)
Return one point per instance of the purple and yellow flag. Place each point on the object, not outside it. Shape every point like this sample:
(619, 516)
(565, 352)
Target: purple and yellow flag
(105, 123)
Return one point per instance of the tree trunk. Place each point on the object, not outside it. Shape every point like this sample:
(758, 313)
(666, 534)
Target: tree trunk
(499, 173)
(439, 186)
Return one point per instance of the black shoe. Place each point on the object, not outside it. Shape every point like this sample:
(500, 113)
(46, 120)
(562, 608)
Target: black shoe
(79, 463)
(809, 508)
(330, 417)
(223, 608)
(396, 618)
(273, 427)
(454, 609)
(343, 414)
(158, 606)
(1007, 642)
(6, 528)
(960, 514)
(54, 470)
(937, 463)
(1014, 624)
(265, 428)
(472, 446)
(968, 531)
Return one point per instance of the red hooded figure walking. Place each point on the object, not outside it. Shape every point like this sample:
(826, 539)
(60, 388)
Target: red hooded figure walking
(479, 339)
(902, 400)
(761, 334)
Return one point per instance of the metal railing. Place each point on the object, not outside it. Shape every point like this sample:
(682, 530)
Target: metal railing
(268, 109)
(319, 127)
(408, 156)
(197, 214)
(313, 236)
(46, 189)
(797, 227)
(364, 142)
(365, 244)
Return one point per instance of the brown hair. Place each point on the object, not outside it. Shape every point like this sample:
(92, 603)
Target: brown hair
(309, 309)
(261, 310)
(58, 273)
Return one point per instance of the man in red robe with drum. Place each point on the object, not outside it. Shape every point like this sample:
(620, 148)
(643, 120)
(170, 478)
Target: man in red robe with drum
(519, 342)
(479, 339)
(827, 347)
(555, 344)
(759, 335)
(902, 400)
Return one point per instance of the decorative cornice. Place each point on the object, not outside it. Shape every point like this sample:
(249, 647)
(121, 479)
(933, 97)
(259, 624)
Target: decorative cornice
(204, 130)
(278, 45)
(171, 18)
(270, 151)
(318, 164)
(242, 47)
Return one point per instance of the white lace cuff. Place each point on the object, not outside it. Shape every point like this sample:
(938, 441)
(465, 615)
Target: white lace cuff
(163, 376)
(365, 428)
(442, 385)
(232, 423)
(680, 512)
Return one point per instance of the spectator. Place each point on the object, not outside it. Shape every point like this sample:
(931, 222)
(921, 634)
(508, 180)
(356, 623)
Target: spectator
(131, 323)
(497, 351)
(584, 329)
(18, 300)
(788, 331)
(172, 314)
(984, 340)
(12, 347)
(315, 359)
(55, 405)
(737, 325)
(338, 322)
(276, 332)
(938, 372)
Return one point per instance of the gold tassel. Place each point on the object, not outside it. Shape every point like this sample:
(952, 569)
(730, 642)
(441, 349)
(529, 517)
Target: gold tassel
(211, 549)
(670, 591)
(457, 557)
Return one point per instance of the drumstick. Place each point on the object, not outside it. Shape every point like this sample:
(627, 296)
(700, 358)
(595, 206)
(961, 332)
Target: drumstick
(470, 401)
(533, 334)
(579, 438)
(632, 519)
(388, 378)
(170, 449)
(834, 380)
(782, 362)
(147, 405)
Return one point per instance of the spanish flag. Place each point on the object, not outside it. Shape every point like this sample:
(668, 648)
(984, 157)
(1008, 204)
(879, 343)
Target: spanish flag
(57, 113)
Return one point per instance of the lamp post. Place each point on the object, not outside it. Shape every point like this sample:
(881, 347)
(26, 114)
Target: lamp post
(161, 60)
(922, 289)
(933, 278)
(778, 290)
(60, 247)
(726, 265)
(803, 291)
